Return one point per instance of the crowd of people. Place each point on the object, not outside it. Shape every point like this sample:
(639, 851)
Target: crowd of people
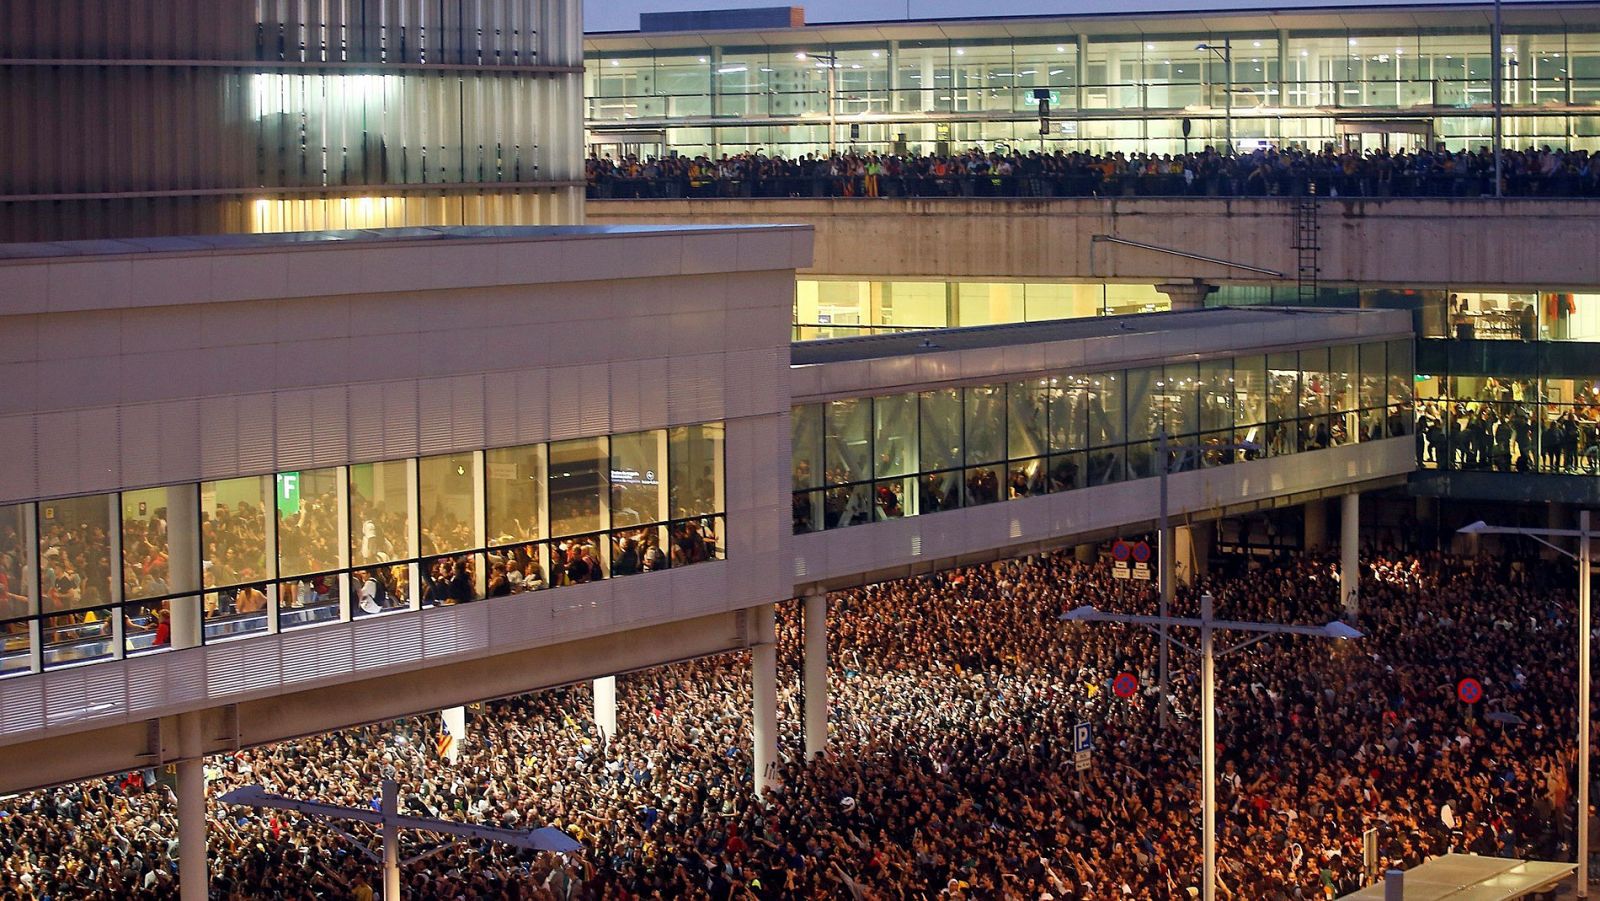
(950, 773)
(1008, 171)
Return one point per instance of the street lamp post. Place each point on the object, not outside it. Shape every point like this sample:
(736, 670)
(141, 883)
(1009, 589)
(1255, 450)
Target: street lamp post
(1166, 566)
(1208, 627)
(1226, 53)
(1585, 559)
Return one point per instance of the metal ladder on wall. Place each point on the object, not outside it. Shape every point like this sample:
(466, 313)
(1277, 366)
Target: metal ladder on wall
(1307, 242)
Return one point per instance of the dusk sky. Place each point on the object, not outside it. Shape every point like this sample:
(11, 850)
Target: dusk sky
(623, 15)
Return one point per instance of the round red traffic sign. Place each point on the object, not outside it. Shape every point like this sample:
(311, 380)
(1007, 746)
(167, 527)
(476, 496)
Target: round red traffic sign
(1141, 552)
(1121, 550)
(1125, 684)
(1469, 691)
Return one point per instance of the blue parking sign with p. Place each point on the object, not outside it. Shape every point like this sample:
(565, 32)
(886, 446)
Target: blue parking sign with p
(1082, 738)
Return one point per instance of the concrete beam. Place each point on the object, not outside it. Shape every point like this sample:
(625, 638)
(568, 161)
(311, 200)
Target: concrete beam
(1394, 241)
(67, 758)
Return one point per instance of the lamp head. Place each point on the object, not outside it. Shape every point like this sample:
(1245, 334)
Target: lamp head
(1202, 46)
(1476, 528)
(1341, 630)
(1082, 614)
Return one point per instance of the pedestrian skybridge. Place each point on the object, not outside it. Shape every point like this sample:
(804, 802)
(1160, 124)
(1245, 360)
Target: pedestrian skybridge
(913, 452)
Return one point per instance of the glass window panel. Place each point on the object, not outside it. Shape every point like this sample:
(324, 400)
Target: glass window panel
(513, 479)
(1069, 412)
(146, 627)
(381, 501)
(309, 600)
(452, 579)
(1067, 472)
(1106, 409)
(578, 486)
(847, 505)
(630, 548)
(983, 485)
(940, 491)
(696, 480)
(447, 486)
(1026, 419)
(308, 521)
(379, 589)
(1144, 405)
(1314, 381)
(895, 430)
(807, 510)
(76, 637)
(849, 440)
(1216, 395)
(576, 560)
(1107, 465)
(1027, 478)
(145, 550)
(638, 460)
(16, 576)
(896, 498)
(1373, 373)
(233, 530)
(235, 611)
(805, 437)
(16, 648)
(1400, 368)
(940, 425)
(1179, 387)
(1250, 390)
(1343, 367)
(986, 423)
(75, 553)
(697, 540)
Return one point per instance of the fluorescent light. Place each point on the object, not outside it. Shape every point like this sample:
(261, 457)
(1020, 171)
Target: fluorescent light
(729, 70)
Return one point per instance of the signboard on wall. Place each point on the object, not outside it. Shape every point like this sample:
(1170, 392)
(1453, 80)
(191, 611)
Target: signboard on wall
(288, 493)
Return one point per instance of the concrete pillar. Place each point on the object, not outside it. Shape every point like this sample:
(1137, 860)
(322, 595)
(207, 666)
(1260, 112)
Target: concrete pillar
(183, 564)
(1316, 525)
(1350, 554)
(194, 880)
(816, 673)
(1191, 546)
(1190, 295)
(764, 695)
(1557, 516)
(605, 707)
(1086, 553)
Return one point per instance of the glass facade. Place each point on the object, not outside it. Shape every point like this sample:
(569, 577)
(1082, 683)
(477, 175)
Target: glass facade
(1524, 423)
(868, 459)
(844, 308)
(1107, 92)
(267, 553)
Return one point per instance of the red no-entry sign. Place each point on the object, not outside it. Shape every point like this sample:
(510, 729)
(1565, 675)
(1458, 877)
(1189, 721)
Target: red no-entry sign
(1141, 552)
(1469, 691)
(1125, 684)
(1121, 551)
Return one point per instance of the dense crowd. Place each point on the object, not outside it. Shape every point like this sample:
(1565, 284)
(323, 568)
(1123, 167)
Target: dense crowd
(951, 773)
(1010, 172)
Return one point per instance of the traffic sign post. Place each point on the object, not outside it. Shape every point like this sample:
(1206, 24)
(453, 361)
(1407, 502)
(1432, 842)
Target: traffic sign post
(1121, 551)
(1125, 684)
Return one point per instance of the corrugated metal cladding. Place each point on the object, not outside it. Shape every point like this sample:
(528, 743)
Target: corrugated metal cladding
(148, 117)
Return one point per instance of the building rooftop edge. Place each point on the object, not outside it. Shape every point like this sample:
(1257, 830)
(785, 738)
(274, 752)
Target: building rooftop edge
(235, 243)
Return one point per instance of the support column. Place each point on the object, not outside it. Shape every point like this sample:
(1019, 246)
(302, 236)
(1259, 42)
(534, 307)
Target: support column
(605, 707)
(1192, 546)
(391, 840)
(1350, 554)
(1315, 537)
(183, 564)
(1087, 553)
(816, 673)
(194, 879)
(764, 695)
(1190, 295)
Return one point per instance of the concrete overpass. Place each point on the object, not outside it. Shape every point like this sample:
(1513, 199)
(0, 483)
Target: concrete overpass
(1407, 242)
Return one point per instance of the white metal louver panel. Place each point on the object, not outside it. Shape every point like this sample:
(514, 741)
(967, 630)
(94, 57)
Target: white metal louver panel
(21, 705)
(366, 422)
(330, 418)
(140, 458)
(626, 387)
(533, 399)
(566, 383)
(58, 453)
(335, 649)
(18, 477)
(387, 641)
(433, 416)
(300, 663)
(186, 676)
(255, 428)
(521, 623)
(455, 630)
(180, 442)
(293, 432)
(500, 407)
(401, 421)
(466, 412)
(239, 666)
(148, 682)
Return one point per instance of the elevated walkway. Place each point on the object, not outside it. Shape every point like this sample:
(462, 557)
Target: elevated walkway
(1469, 877)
